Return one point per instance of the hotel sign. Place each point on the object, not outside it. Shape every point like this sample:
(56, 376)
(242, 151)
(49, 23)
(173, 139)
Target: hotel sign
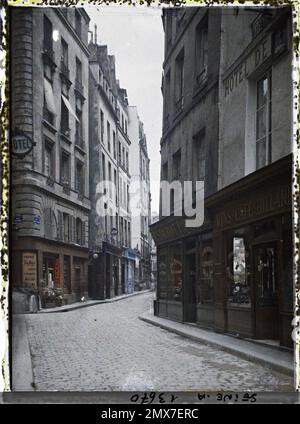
(21, 144)
(29, 269)
(258, 56)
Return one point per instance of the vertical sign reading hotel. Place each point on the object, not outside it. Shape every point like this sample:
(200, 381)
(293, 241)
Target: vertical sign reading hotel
(29, 268)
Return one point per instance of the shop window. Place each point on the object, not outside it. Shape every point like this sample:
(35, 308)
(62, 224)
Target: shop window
(175, 272)
(239, 290)
(67, 274)
(162, 274)
(263, 122)
(206, 292)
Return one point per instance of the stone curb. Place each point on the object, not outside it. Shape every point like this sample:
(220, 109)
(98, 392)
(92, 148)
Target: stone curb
(259, 358)
(86, 304)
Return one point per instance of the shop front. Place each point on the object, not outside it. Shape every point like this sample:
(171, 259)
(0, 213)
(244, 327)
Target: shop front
(105, 272)
(53, 272)
(253, 255)
(235, 273)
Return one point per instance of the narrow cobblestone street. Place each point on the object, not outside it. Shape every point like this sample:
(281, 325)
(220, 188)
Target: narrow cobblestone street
(106, 347)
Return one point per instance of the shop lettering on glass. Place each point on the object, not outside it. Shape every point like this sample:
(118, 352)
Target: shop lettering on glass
(250, 64)
(29, 269)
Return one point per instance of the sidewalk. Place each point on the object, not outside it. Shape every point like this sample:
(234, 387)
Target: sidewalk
(77, 305)
(277, 359)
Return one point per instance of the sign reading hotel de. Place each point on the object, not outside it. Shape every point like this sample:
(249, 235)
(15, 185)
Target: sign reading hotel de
(247, 66)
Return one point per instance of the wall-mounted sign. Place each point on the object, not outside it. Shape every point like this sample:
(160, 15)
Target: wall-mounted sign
(36, 219)
(29, 269)
(259, 55)
(17, 218)
(21, 144)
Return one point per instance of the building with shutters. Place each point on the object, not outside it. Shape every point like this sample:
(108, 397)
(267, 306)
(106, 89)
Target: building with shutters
(50, 180)
(227, 121)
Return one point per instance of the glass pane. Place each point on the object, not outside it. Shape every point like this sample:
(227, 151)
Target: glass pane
(261, 123)
(176, 273)
(239, 289)
(162, 276)
(262, 92)
(260, 153)
(265, 276)
(206, 276)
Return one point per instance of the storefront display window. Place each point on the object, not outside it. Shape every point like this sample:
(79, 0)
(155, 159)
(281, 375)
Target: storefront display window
(162, 274)
(206, 273)
(239, 291)
(176, 272)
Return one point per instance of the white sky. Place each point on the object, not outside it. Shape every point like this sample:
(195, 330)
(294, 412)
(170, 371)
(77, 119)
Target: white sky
(135, 36)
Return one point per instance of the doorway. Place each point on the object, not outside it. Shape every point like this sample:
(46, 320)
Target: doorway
(265, 275)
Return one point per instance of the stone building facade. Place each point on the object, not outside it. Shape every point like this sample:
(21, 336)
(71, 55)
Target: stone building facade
(50, 167)
(140, 200)
(111, 264)
(228, 122)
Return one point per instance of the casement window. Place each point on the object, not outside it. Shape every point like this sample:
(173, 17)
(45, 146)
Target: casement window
(66, 227)
(166, 91)
(201, 51)
(103, 167)
(114, 145)
(64, 119)
(79, 177)
(108, 136)
(179, 81)
(65, 168)
(78, 71)
(49, 160)
(64, 55)
(263, 121)
(49, 223)
(48, 40)
(49, 110)
(176, 174)
(79, 228)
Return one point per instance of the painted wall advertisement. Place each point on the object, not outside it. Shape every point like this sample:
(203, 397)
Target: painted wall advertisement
(29, 269)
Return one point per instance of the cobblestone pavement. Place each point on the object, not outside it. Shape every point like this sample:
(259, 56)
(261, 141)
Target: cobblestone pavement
(106, 347)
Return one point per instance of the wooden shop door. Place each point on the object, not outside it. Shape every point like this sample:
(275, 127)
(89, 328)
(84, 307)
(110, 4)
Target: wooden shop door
(266, 289)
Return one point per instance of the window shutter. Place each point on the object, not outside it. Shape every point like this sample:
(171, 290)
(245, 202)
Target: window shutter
(74, 230)
(70, 229)
(83, 233)
(60, 226)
